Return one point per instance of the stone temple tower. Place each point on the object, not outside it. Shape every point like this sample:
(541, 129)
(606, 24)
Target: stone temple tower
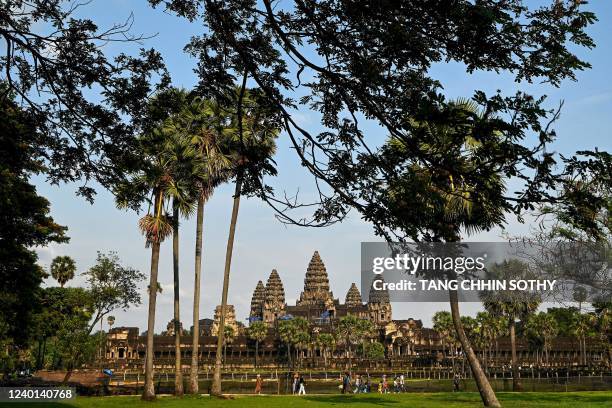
(257, 301)
(274, 299)
(316, 285)
(379, 306)
(230, 320)
(353, 297)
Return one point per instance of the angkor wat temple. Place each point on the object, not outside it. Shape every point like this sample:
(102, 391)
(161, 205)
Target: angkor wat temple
(407, 343)
(316, 303)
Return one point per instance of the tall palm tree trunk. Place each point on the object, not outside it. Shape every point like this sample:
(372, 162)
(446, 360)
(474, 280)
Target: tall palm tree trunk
(149, 388)
(178, 367)
(256, 351)
(193, 375)
(484, 387)
(216, 386)
(516, 382)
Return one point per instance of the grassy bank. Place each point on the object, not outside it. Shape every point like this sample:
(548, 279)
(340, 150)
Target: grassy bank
(425, 400)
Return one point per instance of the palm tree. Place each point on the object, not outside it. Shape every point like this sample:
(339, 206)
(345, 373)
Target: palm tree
(256, 129)
(580, 296)
(325, 342)
(487, 333)
(62, 269)
(582, 326)
(257, 331)
(174, 165)
(351, 330)
(110, 320)
(150, 183)
(207, 126)
(301, 337)
(186, 167)
(544, 327)
(228, 338)
(443, 206)
(511, 305)
(603, 312)
(366, 330)
(156, 228)
(286, 332)
(443, 325)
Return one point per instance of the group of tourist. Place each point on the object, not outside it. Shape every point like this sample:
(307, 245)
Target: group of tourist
(361, 384)
(299, 385)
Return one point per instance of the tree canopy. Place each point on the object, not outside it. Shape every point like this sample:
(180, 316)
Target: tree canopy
(24, 221)
(87, 103)
(356, 62)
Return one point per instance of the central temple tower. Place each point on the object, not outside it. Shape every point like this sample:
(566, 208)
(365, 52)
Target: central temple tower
(316, 285)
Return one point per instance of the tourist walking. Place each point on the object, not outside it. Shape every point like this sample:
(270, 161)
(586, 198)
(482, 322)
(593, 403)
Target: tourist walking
(357, 384)
(385, 385)
(258, 384)
(346, 382)
(456, 383)
(295, 384)
(366, 386)
(402, 383)
(302, 386)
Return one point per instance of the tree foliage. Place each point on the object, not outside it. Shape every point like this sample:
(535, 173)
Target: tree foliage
(62, 269)
(24, 222)
(112, 286)
(351, 64)
(87, 104)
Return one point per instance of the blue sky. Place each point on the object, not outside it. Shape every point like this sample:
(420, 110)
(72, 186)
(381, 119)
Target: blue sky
(262, 243)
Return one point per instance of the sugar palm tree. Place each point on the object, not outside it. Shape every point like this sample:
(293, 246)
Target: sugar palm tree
(582, 326)
(253, 133)
(443, 325)
(544, 327)
(286, 332)
(150, 182)
(208, 126)
(62, 269)
(352, 330)
(464, 197)
(511, 305)
(228, 338)
(257, 331)
(186, 167)
(324, 342)
(301, 337)
(486, 334)
(603, 326)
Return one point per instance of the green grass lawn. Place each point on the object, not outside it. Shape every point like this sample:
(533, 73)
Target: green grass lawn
(417, 400)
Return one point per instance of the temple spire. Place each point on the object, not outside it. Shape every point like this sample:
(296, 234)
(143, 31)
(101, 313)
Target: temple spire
(316, 283)
(257, 301)
(274, 290)
(353, 297)
(274, 298)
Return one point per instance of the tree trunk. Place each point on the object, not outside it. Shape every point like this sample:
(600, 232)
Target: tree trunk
(484, 387)
(256, 351)
(350, 365)
(216, 386)
(149, 388)
(178, 367)
(193, 375)
(516, 382)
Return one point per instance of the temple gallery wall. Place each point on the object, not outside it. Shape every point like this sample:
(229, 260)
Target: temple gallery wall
(407, 343)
